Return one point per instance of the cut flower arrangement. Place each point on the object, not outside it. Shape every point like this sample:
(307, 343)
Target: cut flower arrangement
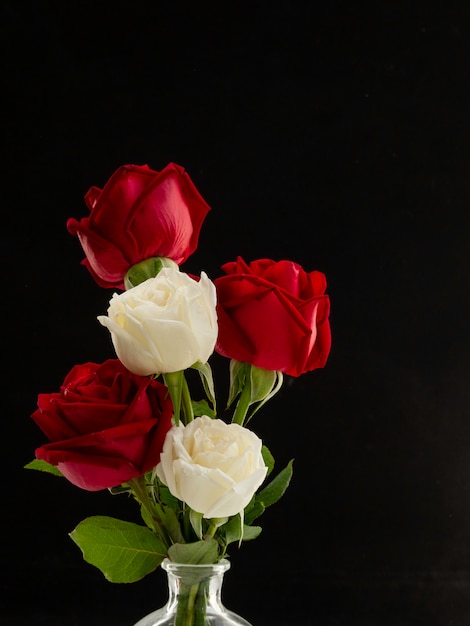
(135, 425)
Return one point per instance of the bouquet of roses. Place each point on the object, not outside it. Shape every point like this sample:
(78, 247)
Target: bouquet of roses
(133, 424)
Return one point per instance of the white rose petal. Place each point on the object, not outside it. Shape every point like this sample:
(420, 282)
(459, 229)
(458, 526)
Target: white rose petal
(213, 466)
(165, 324)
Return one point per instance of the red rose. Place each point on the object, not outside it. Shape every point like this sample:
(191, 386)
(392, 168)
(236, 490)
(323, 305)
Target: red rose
(139, 214)
(273, 315)
(106, 425)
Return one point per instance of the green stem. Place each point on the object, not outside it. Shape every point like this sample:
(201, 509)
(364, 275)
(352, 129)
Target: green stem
(187, 403)
(192, 605)
(201, 604)
(154, 510)
(192, 595)
(187, 528)
(211, 530)
(243, 404)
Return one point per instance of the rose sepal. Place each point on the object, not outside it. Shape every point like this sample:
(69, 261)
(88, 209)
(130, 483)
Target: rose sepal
(44, 466)
(148, 268)
(174, 382)
(253, 386)
(207, 379)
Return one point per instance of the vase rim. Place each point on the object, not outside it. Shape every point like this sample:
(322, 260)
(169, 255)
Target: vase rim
(222, 566)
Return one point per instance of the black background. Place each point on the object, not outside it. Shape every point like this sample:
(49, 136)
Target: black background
(333, 135)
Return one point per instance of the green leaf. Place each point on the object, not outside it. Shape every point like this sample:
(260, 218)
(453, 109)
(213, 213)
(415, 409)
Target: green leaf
(196, 522)
(254, 510)
(198, 552)
(268, 459)
(44, 466)
(269, 495)
(172, 526)
(146, 516)
(125, 552)
(165, 496)
(277, 487)
(234, 530)
(251, 532)
(201, 407)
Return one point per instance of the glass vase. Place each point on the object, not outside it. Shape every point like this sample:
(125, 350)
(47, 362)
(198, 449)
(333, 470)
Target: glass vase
(194, 597)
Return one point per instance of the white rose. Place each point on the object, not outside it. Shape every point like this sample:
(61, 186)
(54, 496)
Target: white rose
(213, 466)
(165, 324)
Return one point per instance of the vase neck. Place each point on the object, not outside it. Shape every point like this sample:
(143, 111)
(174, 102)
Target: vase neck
(194, 597)
(196, 582)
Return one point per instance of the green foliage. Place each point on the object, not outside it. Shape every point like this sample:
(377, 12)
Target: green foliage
(167, 498)
(268, 459)
(199, 552)
(196, 522)
(173, 526)
(254, 510)
(236, 530)
(269, 494)
(277, 487)
(201, 407)
(123, 551)
(239, 529)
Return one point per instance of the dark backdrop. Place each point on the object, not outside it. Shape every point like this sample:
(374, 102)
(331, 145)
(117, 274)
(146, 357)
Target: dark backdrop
(334, 135)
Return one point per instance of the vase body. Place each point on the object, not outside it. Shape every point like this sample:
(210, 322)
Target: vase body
(194, 598)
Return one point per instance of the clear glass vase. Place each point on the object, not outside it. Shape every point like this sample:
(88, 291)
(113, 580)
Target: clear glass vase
(194, 598)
